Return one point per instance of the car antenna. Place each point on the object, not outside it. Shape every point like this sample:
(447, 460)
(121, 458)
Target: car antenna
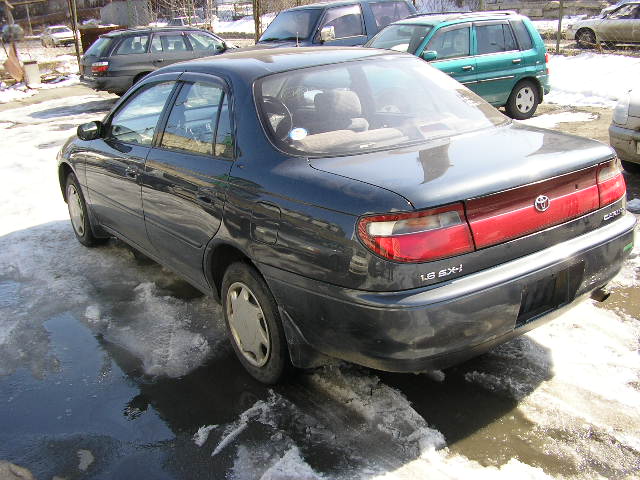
(297, 44)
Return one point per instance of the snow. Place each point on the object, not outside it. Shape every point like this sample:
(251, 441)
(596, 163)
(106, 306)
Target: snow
(551, 26)
(551, 120)
(591, 79)
(243, 25)
(201, 436)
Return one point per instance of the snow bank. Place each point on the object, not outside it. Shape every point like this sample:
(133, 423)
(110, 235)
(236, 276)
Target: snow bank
(591, 79)
(243, 25)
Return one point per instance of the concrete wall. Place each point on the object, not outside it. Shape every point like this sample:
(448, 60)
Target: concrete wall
(130, 13)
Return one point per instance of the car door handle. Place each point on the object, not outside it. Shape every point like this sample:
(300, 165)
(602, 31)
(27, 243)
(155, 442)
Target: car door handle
(131, 172)
(516, 60)
(466, 68)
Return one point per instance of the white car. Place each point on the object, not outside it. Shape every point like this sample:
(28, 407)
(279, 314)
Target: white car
(57, 35)
(624, 132)
(621, 25)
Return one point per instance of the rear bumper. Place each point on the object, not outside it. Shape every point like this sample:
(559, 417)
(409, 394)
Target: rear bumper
(119, 84)
(625, 142)
(439, 326)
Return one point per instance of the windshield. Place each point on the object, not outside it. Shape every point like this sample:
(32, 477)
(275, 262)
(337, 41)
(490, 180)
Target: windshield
(61, 30)
(292, 25)
(403, 38)
(99, 47)
(373, 104)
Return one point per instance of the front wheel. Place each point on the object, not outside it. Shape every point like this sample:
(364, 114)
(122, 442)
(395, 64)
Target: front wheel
(79, 214)
(254, 325)
(523, 101)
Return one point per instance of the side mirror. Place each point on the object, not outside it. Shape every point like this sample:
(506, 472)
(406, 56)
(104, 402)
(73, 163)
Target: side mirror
(429, 55)
(327, 34)
(90, 131)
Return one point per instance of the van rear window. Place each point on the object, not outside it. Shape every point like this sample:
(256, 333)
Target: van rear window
(99, 47)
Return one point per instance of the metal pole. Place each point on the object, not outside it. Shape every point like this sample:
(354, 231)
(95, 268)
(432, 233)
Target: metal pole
(74, 24)
(29, 19)
(559, 33)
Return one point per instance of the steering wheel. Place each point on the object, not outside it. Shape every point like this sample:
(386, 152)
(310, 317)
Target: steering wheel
(274, 106)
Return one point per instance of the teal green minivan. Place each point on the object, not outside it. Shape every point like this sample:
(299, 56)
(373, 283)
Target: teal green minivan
(498, 55)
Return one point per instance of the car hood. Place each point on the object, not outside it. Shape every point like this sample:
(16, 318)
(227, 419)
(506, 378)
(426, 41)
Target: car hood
(589, 22)
(470, 165)
(634, 103)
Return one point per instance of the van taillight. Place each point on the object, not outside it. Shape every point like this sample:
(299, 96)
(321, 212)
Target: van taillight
(418, 236)
(611, 185)
(99, 67)
(546, 61)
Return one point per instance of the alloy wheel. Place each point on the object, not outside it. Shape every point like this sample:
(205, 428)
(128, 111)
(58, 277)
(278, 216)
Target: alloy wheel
(76, 212)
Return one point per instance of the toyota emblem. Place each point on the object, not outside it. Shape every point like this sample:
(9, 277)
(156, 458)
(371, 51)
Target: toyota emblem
(542, 203)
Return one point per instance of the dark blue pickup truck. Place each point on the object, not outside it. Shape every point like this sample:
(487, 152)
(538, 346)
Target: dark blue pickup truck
(347, 22)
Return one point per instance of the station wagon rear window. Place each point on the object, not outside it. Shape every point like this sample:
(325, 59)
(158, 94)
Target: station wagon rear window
(367, 105)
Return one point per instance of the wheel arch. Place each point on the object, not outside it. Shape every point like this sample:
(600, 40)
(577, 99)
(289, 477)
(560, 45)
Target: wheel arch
(217, 260)
(533, 80)
(64, 169)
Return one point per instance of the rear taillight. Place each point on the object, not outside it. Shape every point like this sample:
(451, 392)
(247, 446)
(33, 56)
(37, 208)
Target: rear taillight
(418, 236)
(611, 185)
(99, 67)
(546, 61)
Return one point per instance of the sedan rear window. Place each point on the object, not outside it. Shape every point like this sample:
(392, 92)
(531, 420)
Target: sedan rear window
(367, 105)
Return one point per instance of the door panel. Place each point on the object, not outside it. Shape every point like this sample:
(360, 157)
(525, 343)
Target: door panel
(116, 163)
(453, 46)
(185, 179)
(499, 63)
(168, 48)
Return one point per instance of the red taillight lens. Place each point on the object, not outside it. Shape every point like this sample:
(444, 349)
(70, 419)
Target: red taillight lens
(418, 236)
(546, 61)
(99, 67)
(611, 185)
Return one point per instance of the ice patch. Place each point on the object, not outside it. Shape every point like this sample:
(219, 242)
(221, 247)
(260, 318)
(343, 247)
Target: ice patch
(550, 120)
(201, 436)
(291, 467)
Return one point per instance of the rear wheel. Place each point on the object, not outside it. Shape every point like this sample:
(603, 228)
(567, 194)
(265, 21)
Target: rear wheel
(585, 38)
(79, 214)
(254, 325)
(523, 101)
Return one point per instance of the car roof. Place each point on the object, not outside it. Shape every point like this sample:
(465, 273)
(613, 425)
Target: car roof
(252, 64)
(337, 3)
(455, 17)
(137, 30)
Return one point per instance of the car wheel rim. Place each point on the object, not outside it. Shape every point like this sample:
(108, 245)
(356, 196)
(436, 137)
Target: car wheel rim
(75, 210)
(248, 325)
(525, 99)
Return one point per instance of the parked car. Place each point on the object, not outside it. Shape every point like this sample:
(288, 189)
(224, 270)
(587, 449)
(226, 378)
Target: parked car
(351, 203)
(57, 35)
(12, 33)
(347, 22)
(621, 25)
(498, 55)
(118, 59)
(624, 132)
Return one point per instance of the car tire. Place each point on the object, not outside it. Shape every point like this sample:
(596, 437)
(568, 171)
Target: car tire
(523, 101)
(585, 38)
(79, 214)
(253, 324)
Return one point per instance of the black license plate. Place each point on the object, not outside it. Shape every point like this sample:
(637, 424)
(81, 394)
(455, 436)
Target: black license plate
(543, 296)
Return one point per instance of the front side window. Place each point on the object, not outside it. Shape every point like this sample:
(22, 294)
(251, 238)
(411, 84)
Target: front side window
(132, 45)
(374, 104)
(388, 12)
(495, 38)
(201, 42)
(402, 38)
(346, 21)
(136, 121)
(451, 43)
(191, 126)
(292, 25)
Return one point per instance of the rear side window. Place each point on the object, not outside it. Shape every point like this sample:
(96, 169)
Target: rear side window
(99, 47)
(522, 34)
(346, 21)
(388, 12)
(495, 38)
(136, 121)
(131, 45)
(450, 43)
